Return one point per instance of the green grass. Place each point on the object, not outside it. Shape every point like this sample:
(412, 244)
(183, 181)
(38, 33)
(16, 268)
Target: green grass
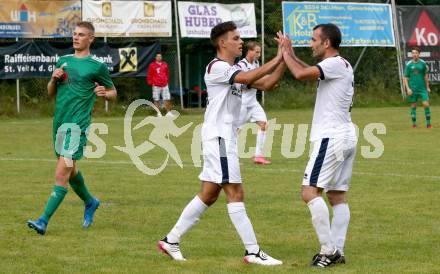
(395, 224)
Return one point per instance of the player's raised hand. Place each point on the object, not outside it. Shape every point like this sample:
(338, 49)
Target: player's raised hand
(288, 49)
(58, 73)
(280, 40)
(100, 90)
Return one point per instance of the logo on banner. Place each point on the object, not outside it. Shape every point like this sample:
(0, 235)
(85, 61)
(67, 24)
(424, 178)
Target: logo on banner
(23, 15)
(106, 9)
(128, 57)
(425, 33)
(238, 15)
(148, 9)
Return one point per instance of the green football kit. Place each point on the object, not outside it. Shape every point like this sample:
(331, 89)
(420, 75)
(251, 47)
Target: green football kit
(415, 72)
(74, 102)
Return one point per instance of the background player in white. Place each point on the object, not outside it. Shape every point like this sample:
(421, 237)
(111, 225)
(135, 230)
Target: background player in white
(251, 110)
(221, 169)
(333, 137)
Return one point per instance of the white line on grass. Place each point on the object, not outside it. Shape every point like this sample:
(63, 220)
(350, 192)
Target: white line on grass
(263, 169)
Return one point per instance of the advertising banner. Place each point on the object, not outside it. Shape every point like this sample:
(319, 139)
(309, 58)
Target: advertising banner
(196, 19)
(38, 19)
(361, 24)
(419, 26)
(36, 59)
(129, 18)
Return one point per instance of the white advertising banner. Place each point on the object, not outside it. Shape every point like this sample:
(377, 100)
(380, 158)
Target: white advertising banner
(197, 19)
(129, 18)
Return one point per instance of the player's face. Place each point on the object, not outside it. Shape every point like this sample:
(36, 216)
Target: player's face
(233, 43)
(82, 39)
(318, 46)
(255, 54)
(415, 55)
(158, 57)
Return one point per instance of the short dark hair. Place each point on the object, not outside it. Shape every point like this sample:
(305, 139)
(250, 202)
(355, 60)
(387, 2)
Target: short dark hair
(86, 25)
(221, 29)
(331, 32)
(416, 49)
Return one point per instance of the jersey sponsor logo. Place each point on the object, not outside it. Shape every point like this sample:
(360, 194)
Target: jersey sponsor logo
(425, 33)
(129, 60)
(235, 90)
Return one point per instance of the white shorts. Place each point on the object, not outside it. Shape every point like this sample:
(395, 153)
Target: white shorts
(330, 165)
(220, 161)
(164, 91)
(252, 113)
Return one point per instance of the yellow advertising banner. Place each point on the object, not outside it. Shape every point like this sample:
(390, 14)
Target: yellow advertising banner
(38, 19)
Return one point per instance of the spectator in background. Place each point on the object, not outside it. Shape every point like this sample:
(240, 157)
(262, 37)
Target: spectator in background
(417, 85)
(157, 77)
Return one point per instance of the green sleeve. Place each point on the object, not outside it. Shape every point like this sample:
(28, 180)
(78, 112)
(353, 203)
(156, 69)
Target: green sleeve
(103, 77)
(407, 70)
(59, 62)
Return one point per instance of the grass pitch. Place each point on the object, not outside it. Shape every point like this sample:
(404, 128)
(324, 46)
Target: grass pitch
(395, 209)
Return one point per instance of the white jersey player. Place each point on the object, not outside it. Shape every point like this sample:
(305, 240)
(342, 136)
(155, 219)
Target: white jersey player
(334, 141)
(251, 109)
(221, 169)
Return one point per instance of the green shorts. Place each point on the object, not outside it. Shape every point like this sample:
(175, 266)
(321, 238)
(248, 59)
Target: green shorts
(416, 94)
(69, 141)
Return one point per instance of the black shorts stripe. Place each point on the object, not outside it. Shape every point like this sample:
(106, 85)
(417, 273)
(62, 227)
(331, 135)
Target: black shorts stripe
(318, 162)
(223, 160)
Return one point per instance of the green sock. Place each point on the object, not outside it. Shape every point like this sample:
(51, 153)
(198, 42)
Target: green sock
(428, 116)
(413, 115)
(78, 185)
(55, 199)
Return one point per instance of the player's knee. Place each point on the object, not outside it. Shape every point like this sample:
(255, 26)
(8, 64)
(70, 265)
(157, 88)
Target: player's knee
(336, 197)
(62, 177)
(208, 199)
(309, 193)
(235, 194)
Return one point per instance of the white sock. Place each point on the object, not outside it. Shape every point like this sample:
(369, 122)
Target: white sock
(189, 217)
(243, 225)
(339, 227)
(261, 136)
(321, 223)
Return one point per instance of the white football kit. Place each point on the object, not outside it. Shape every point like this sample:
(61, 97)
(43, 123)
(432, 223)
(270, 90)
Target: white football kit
(333, 135)
(219, 134)
(250, 110)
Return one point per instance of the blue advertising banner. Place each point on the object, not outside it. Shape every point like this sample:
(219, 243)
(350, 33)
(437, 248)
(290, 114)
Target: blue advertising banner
(361, 24)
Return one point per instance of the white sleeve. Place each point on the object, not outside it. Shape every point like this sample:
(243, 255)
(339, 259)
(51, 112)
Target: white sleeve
(243, 66)
(222, 73)
(331, 68)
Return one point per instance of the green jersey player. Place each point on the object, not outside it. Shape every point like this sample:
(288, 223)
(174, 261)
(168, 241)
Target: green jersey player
(417, 85)
(76, 82)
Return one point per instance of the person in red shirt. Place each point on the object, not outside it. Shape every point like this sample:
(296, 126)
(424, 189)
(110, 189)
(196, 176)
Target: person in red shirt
(157, 77)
